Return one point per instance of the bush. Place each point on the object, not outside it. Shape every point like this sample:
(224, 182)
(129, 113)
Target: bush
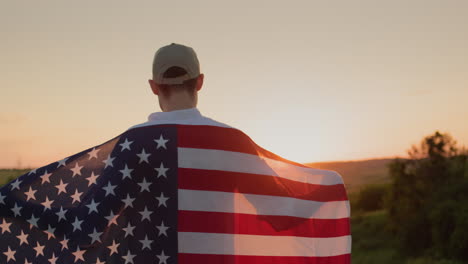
(370, 198)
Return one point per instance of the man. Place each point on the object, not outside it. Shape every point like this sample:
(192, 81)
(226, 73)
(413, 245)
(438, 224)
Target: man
(179, 188)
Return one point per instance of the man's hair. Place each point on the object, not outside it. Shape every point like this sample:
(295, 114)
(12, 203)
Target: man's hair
(189, 85)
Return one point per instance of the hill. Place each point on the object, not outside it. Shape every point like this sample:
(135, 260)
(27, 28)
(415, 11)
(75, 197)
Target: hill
(358, 173)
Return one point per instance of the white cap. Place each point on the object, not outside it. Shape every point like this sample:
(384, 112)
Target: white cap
(175, 55)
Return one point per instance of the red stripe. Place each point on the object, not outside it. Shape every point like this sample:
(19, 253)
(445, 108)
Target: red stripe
(223, 138)
(184, 258)
(247, 224)
(226, 181)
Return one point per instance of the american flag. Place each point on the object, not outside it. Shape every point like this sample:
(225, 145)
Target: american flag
(175, 193)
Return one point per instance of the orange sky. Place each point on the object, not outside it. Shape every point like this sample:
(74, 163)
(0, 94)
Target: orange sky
(308, 80)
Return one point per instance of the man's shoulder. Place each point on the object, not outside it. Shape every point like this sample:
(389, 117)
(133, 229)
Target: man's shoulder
(201, 120)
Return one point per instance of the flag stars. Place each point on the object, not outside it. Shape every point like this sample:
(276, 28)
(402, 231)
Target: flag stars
(53, 259)
(161, 170)
(47, 203)
(146, 243)
(76, 196)
(108, 161)
(128, 230)
(113, 248)
(39, 249)
(145, 214)
(143, 156)
(162, 258)
(144, 185)
(112, 219)
(92, 179)
(23, 238)
(62, 163)
(78, 254)
(33, 171)
(61, 187)
(162, 229)
(77, 224)
(50, 232)
(95, 236)
(5, 226)
(162, 200)
(16, 209)
(92, 206)
(93, 153)
(161, 142)
(61, 214)
(30, 194)
(16, 184)
(109, 189)
(10, 254)
(45, 177)
(76, 170)
(2, 198)
(125, 145)
(64, 243)
(128, 201)
(128, 258)
(33, 220)
(126, 172)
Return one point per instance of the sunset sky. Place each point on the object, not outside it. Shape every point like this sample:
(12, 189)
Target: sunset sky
(308, 80)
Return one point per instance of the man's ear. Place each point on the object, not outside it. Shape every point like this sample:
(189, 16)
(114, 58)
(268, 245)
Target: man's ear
(154, 86)
(200, 81)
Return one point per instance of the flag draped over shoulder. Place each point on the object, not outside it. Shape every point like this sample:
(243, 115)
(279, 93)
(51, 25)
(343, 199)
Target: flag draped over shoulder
(175, 194)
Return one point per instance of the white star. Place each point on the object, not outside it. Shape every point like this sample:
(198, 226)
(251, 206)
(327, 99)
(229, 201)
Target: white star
(23, 238)
(39, 249)
(61, 187)
(93, 153)
(128, 201)
(126, 172)
(126, 145)
(2, 199)
(30, 194)
(145, 214)
(144, 185)
(33, 220)
(61, 214)
(112, 218)
(47, 204)
(76, 170)
(15, 184)
(93, 207)
(128, 258)
(143, 156)
(10, 254)
(50, 232)
(45, 177)
(16, 209)
(162, 258)
(161, 142)
(161, 170)
(77, 224)
(64, 243)
(76, 196)
(162, 229)
(32, 171)
(146, 243)
(98, 261)
(162, 200)
(26, 261)
(108, 161)
(5, 226)
(61, 162)
(109, 189)
(92, 178)
(78, 254)
(53, 259)
(128, 230)
(95, 236)
(113, 248)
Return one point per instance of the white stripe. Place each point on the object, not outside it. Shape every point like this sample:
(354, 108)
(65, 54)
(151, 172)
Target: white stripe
(252, 245)
(211, 159)
(209, 201)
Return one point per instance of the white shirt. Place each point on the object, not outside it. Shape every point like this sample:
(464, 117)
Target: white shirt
(189, 116)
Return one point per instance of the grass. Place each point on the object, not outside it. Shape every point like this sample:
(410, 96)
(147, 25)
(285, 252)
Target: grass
(7, 175)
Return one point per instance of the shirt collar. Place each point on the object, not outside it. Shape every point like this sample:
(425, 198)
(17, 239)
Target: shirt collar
(175, 115)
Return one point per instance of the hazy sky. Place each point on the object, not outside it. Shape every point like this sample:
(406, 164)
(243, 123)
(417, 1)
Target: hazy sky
(308, 80)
